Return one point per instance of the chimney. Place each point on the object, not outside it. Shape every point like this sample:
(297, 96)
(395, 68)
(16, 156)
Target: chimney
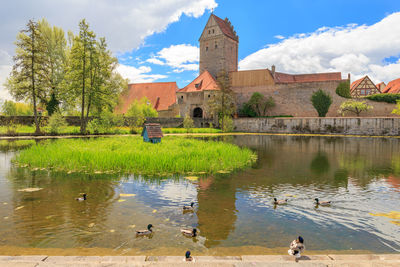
(273, 71)
(348, 77)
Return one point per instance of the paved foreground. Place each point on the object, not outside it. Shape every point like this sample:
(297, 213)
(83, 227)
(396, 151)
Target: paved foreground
(392, 260)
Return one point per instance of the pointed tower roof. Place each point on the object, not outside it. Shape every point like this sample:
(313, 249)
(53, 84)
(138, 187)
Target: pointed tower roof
(226, 27)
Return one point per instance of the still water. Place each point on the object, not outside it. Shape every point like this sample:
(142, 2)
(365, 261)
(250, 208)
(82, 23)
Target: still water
(234, 213)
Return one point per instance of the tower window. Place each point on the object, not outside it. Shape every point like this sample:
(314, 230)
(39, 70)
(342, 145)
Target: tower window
(208, 96)
(206, 48)
(181, 96)
(209, 31)
(213, 30)
(216, 46)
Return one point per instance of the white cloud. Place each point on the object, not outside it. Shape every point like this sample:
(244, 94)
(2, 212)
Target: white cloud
(5, 68)
(124, 23)
(180, 57)
(279, 37)
(155, 61)
(358, 49)
(138, 75)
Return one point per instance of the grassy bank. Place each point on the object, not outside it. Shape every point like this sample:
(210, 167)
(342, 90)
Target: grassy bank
(175, 155)
(73, 130)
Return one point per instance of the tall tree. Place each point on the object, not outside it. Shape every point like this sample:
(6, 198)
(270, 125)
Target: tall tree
(223, 102)
(27, 70)
(53, 65)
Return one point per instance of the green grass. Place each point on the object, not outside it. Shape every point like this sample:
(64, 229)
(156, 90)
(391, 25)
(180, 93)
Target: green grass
(193, 130)
(174, 155)
(28, 129)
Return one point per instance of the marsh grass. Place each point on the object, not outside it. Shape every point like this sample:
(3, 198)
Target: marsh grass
(174, 155)
(6, 145)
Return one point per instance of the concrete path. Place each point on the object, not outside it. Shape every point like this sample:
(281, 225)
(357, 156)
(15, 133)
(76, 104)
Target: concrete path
(370, 260)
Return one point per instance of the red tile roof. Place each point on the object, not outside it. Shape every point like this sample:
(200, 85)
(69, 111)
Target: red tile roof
(379, 85)
(226, 27)
(356, 83)
(161, 95)
(280, 77)
(204, 81)
(393, 87)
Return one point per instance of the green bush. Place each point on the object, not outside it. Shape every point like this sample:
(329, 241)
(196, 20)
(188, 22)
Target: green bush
(388, 98)
(56, 123)
(354, 106)
(343, 89)
(247, 110)
(228, 124)
(105, 122)
(397, 109)
(321, 102)
(188, 123)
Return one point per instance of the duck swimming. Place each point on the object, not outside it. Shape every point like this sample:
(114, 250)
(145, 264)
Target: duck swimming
(188, 257)
(280, 202)
(190, 233)
(322, 203)
(188, 208)
(145, 232)
(83, 198)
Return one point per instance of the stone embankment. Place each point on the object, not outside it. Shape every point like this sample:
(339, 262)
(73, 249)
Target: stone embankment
(348, 126)
(174, 261)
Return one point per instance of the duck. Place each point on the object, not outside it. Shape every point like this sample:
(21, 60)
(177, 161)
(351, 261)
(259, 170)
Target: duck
(190, 233)
(188, 257)
(83, 198)
(280, 202)
(322, 203)
(189, 208)
(145, 232)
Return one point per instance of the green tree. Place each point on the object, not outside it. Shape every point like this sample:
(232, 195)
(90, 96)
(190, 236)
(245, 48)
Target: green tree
(343, 89)
(397, 109)
(138, 112)
(28, 68)
(261, 104)
(53, 69)
(247, 110)
(91, 74)
(321, 101)
(223, 102)
(354, 106)
(228, 124)
(188, 123)
(9, 108)
(56, 123)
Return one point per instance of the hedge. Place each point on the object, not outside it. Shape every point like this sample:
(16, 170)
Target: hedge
(388, 98)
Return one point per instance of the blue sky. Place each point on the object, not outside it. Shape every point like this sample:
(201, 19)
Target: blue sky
(259, 24)
(157, 40)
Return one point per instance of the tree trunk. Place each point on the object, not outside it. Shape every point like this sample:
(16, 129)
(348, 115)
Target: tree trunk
(83, 123)
(37, 130)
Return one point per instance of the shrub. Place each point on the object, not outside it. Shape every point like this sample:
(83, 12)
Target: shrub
(388, 98)
(343, 89)
(354, 106)
(188, 123)
(105, 122)
(260, 104)
(56, 122)
(397, 109)
(321, 102)
(228, 124)
(139, 111)
(247, 110)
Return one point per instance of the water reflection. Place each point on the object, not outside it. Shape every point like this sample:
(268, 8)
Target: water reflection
(360, 176)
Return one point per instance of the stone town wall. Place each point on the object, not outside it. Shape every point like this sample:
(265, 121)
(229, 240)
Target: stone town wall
(353, 125)
(294, 99)
(178, 122)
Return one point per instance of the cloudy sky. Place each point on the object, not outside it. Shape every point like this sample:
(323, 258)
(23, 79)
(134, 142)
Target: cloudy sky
(157, 40)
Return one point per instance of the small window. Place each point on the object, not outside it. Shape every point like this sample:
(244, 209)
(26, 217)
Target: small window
(209, 31)
(181, 96)
(216, 45)
(209, 96)
(213, 30)
(206, 48)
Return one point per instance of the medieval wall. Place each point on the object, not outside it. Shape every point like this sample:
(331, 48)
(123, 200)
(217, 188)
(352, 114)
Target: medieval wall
(358, 126)
(188, 101)
(294, 99)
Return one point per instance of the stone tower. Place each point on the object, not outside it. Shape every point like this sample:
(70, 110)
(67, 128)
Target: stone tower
(218, 46)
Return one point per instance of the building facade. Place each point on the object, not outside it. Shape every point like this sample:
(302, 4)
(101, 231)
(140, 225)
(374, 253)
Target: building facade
(363, 87)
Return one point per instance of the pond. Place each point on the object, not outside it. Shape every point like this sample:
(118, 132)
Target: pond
(234, 213)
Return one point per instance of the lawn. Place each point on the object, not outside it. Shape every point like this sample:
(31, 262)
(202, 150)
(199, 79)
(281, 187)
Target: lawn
(174, 155)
